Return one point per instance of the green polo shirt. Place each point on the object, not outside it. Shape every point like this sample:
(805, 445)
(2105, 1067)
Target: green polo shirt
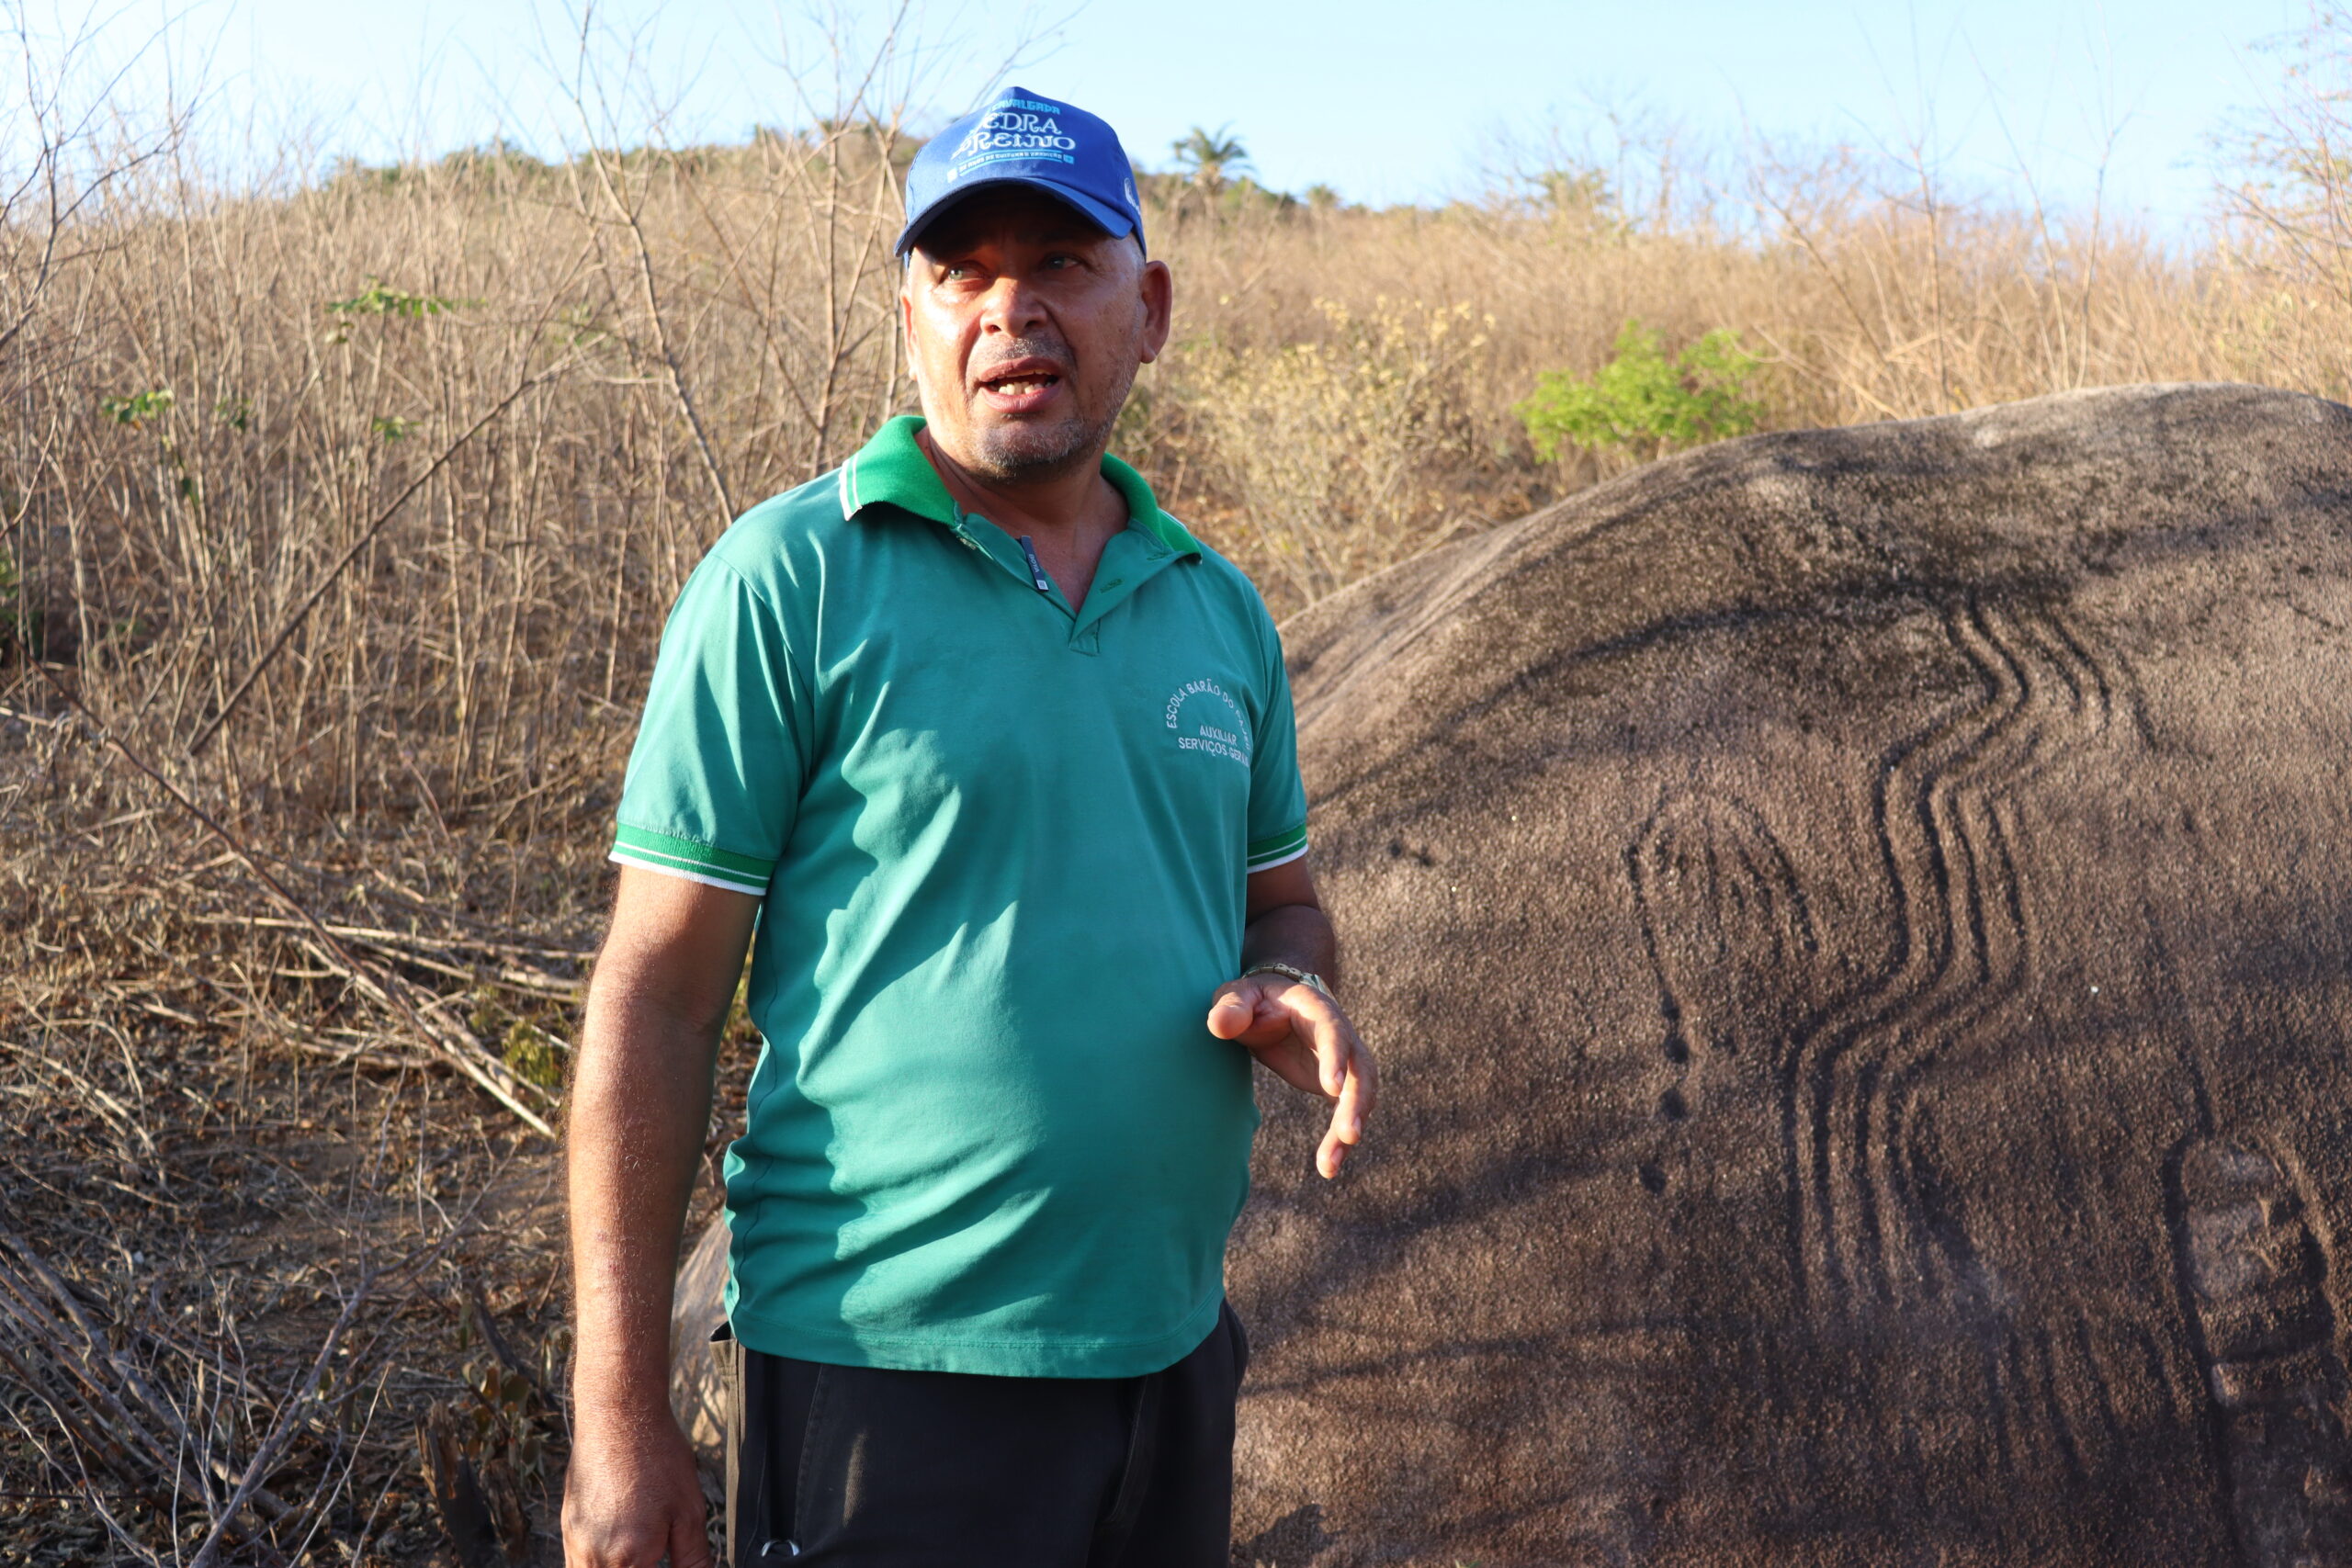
(1000, 848)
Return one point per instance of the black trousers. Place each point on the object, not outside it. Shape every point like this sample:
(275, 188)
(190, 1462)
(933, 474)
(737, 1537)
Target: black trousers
(863, 1467)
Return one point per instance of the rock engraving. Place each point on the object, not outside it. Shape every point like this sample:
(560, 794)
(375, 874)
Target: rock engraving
(1865, 1214)
(2254, 1279)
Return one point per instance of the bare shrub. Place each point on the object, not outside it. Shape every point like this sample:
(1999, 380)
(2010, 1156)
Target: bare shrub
(1326, 447)
(2282, 262)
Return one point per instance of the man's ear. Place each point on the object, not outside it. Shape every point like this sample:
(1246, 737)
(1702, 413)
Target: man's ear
(1158, 287)
(907, 325)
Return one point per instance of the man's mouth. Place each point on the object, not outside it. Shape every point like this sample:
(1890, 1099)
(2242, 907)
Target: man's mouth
(1020, 386)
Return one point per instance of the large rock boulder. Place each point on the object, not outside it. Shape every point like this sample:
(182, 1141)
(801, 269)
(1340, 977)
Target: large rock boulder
(697, 1384)
(1858, 926)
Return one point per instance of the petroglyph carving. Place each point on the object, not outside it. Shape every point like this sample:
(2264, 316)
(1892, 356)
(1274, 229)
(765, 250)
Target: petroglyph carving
(2254, 1279)
(1707, 870)
(1943, 805)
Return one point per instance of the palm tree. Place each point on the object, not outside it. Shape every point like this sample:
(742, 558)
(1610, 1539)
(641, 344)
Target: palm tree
(1210, 159)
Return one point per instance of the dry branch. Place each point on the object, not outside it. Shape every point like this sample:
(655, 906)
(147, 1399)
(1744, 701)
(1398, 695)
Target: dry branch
(291, 1416)
(411, 947)
(101, 1399)
(446, 1038)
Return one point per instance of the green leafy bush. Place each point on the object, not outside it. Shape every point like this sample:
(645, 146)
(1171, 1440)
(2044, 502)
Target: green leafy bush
(377, 300)
(1645, 402)
(530, 1055)
(139, 408)
(530, 1051)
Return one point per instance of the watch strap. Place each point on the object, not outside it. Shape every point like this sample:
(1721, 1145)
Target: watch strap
(1304, 977)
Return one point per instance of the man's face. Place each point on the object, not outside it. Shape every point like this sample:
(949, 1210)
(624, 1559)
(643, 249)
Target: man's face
(1025, 324)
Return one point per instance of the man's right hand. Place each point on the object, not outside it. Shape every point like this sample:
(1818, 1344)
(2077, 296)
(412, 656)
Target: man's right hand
(640, 1107)
(631, 1497)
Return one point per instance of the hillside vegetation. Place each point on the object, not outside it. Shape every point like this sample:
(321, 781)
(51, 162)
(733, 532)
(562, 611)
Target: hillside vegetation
(337, 523)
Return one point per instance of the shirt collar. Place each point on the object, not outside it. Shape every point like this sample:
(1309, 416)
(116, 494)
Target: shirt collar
(891, 469)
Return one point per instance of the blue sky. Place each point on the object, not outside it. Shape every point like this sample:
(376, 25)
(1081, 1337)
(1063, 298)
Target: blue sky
(1384, 100)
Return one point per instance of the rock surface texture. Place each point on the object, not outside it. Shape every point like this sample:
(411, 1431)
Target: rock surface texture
(1858, 925)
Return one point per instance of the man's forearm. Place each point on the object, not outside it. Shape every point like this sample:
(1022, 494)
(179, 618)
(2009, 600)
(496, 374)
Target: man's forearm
(640, 1107)
(1296, 934)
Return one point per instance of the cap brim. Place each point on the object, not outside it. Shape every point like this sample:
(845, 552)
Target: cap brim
(1110, 219)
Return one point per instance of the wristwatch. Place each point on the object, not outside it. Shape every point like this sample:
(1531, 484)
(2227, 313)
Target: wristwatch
(1302, 976)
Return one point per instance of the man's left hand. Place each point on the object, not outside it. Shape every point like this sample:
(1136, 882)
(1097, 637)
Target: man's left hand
(1303, 1036)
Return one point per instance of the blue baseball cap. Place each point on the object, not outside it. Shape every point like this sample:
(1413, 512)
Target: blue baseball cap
(1020, 139)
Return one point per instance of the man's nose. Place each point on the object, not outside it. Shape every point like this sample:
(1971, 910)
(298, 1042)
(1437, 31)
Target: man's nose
(1012, 306)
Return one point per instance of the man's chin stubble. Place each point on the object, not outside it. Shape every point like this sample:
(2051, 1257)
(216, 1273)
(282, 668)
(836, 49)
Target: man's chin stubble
(1014, 454)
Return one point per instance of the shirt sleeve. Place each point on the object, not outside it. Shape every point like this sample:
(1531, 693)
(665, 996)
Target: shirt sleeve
(714, 781)
(1277, 797)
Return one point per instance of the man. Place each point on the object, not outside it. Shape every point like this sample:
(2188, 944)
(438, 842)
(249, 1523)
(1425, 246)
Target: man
(994, 765)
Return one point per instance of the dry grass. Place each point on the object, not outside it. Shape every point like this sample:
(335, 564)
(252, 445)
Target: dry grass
(339, 520)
